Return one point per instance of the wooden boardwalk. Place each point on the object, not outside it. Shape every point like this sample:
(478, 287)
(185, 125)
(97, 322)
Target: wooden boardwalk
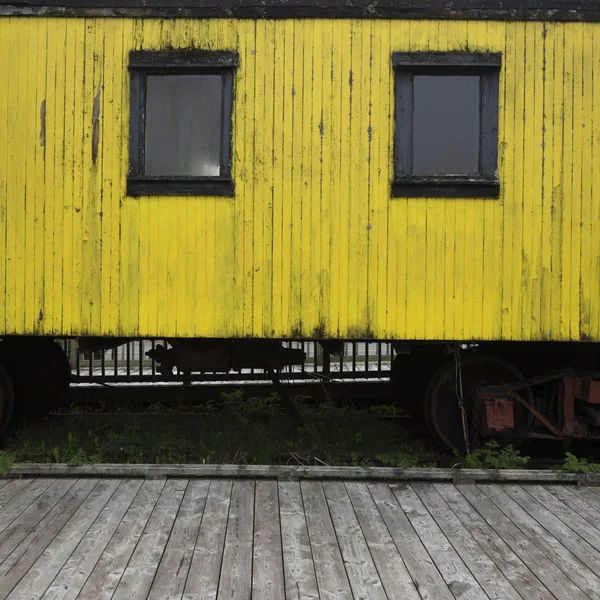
(198, 539)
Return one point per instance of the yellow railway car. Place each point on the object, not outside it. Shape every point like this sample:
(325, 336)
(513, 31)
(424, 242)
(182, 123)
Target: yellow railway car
(226, 174)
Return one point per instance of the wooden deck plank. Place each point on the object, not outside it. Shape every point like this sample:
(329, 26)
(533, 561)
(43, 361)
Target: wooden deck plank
(360, 568)
(139, 574)
(299, 568)
(526, 549)
(173, 569)
(588, 495)
(511, 565)
(107, 573)
(267, 564)
(566, 538)
(11, 488)
(560, 556)
(568, 514)
(29, 550)
(41, 574)
(71, 578)
(18, 523)
(236, 569)
(203, 577)
(22, 502)
(456, 574)
(483, 568)
(221, 539)
(332, 580)
(575, 499)
(397, 582)
(427, 578)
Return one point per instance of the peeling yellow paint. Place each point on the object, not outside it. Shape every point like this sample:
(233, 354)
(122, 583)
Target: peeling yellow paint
(312, 243)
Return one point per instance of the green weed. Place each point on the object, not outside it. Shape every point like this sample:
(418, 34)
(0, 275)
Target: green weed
(6, 462)
(573, 464)
(493, 456)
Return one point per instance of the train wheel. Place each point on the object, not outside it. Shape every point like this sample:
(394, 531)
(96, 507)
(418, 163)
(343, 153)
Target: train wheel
(443, 415)
(409, 376)
(7, 399)
(40, 372)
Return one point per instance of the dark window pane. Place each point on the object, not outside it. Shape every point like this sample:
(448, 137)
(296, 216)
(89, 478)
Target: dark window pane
(446, 125)
(183, 125)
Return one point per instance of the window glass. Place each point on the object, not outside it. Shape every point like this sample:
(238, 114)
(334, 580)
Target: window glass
(446, 125)
(183, 125)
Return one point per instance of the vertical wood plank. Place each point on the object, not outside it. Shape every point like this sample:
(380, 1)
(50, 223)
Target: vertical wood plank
(267, 563)
(205, 568)
(332, 578)
(141, 569)
(20, 517)
(20, 560)
(396, 580)
(360, 568)
(562, 558)
(236, 569)
(109, 569)
(514, 569)
(488, 575)
(457, 576)
(421, 567)
(300, 578)
(72, 576)
(172, 572)
(41, 574)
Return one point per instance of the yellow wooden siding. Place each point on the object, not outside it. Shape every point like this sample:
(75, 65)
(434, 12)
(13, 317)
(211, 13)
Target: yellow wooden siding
(312, 243)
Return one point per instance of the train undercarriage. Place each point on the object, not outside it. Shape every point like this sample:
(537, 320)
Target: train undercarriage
(466, 393)
(509, 392)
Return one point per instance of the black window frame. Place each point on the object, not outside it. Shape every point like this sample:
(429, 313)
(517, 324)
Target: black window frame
(406, 65)
(198, 62)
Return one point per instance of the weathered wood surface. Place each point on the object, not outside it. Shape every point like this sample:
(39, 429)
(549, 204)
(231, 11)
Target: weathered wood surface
(537, 10)
(295, 473)
(222, 538)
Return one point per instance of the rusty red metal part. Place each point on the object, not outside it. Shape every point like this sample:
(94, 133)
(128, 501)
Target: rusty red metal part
(578, 393)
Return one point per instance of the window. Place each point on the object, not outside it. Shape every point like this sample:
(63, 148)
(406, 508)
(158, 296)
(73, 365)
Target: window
(446, 141)
(180, 126)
